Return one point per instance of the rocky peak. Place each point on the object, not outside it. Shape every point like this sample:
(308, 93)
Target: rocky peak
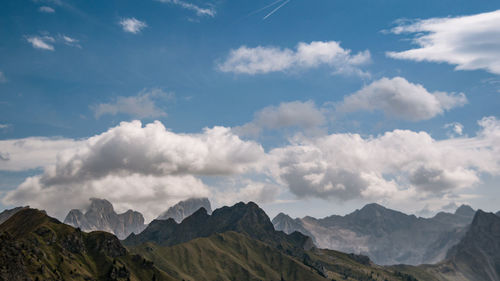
(102, 216)
(465, 210)
(185, 208)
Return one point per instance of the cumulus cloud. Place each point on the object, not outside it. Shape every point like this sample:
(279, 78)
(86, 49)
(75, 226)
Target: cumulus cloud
(70, 41)
(399, 98)
(132, 25)
(261, 60)
(210, 11)
(141, 106)
(41, 42)
(304, 115)
(130, 164)
(399, 164)
(469, 42)
(46, 9)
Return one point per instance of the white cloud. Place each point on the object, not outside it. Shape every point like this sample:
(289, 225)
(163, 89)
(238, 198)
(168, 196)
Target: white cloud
(456, 129)
(210, 11)
(3, 79)
(132, 25)
(141, 106)
(469, 42)
(46, 9)
(398, 165)
(260, 60)
(128, 164)
(41, 42)
(399, 98)
(304, 115)
(70, 41)
(33, 153)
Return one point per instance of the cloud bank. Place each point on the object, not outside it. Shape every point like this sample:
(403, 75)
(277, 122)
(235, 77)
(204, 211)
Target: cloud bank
(129, 164)
(261, 60)
(469, 42)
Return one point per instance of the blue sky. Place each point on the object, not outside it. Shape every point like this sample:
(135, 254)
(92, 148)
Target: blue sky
(308, 77)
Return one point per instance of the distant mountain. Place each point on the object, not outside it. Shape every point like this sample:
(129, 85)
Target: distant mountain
(101, 216)
(185, 208)
(385, 235)
(34, 246)
(240, 243)
(475, 258)
(6, 214)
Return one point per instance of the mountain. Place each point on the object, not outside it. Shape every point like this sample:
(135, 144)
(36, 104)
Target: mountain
(243, 218)
(385, 235)
(5, 215)
(185, 208)
(101, 216)
(34, 246)
(240, 243)
(475, 258)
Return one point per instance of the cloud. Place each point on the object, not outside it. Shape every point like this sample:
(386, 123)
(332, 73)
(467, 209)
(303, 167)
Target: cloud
(141, 106)
(261, 60)
(456, 129)
(128, 164)
(399, 98)
(70, 41)
(398, 165)
(47, 42)
(3, 79)
(304, 115)
(469, 42)
(247, 190)
(132, 25)
(34, 153)
(210, 11)
(41, 42)
(46, 9)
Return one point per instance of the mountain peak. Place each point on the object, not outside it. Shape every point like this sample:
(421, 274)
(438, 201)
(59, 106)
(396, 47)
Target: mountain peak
(184, 209)
(465, 210)
(100, 205)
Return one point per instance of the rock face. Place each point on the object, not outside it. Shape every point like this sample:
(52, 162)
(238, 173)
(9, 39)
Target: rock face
(101, 216)
(5, 215)
(477, 256)
(184, 209)
(385, 235)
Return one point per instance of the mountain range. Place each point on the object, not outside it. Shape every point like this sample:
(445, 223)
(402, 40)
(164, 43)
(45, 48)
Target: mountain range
(236, 243)
(386, 236)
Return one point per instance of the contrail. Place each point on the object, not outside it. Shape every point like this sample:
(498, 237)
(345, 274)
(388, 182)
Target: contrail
(267, 6)
(277, 8)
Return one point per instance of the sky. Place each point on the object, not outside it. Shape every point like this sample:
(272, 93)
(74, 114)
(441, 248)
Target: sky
(304, 107)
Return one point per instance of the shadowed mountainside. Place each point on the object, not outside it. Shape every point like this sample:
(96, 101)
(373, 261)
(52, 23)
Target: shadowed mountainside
(34, 246)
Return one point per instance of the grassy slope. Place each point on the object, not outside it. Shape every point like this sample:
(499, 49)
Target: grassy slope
(34, 246)
(235, 256)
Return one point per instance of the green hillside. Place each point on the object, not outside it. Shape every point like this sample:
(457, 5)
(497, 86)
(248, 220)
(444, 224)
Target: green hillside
(34, 246)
